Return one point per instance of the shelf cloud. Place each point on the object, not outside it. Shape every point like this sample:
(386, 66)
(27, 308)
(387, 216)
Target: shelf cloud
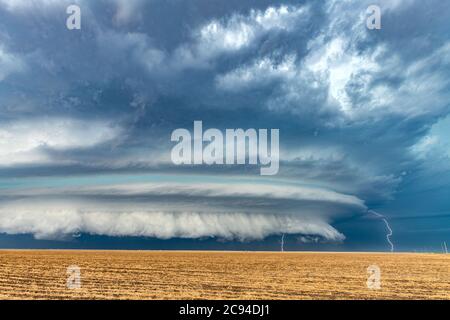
(165, 210)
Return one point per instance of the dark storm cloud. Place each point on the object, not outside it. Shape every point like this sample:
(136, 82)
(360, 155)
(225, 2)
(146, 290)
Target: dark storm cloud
(353, 105)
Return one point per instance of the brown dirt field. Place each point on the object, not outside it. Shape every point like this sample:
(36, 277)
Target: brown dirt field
(41, 274)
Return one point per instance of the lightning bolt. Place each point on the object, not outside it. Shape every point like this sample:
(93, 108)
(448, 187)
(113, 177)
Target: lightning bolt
(388, 227)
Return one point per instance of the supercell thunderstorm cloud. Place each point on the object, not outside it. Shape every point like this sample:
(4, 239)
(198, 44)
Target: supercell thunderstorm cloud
(86, 118)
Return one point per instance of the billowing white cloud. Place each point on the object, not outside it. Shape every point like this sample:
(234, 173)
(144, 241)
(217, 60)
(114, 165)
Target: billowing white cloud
(27, 141)
(187, 210)
(239, 31)
(236, 33)
(60, 222)
(336, 64)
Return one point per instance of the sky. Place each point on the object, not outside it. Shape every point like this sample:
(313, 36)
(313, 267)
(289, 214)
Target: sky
(86, 118)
